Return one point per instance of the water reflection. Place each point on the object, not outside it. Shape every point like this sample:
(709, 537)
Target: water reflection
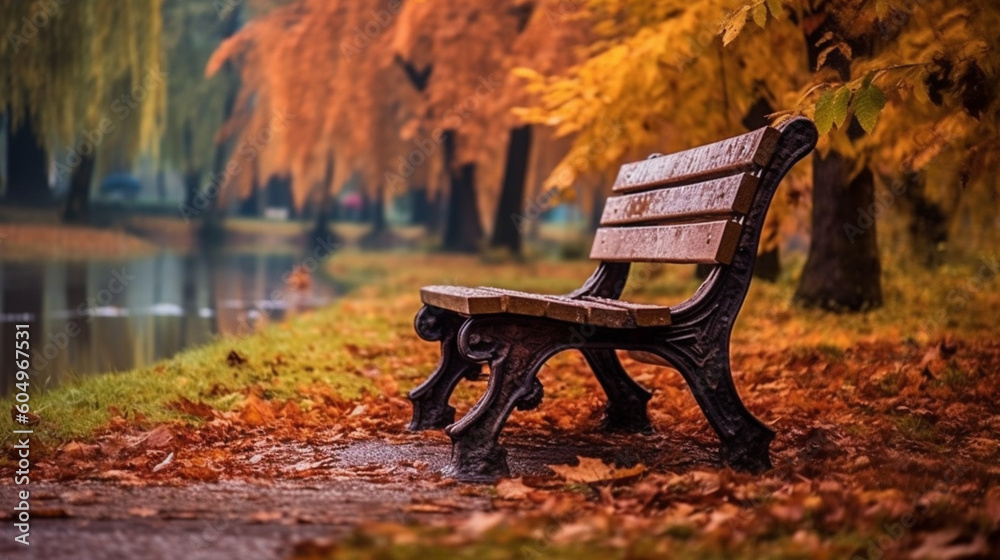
(92, 316)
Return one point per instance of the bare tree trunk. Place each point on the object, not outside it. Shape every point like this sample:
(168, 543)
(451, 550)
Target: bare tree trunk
(505, 231)
(842, 271)
(379, 223)
(161, 184)
(212, 228)
(322, 227)
(928, 227)
(78, 200)
(463, 230)
(27, 167)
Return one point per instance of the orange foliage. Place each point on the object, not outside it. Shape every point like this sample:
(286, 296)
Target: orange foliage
(343, 72)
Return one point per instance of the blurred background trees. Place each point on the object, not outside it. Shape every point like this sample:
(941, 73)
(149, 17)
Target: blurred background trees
(474, 120)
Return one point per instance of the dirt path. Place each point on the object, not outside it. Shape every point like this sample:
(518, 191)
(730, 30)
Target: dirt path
(231, 519)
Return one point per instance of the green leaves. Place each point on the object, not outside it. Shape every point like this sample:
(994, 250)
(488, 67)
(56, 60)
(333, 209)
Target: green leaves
(868, 103)
(835, 104)
(832, 109)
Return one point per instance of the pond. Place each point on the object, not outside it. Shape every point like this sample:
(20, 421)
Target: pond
(90, 316)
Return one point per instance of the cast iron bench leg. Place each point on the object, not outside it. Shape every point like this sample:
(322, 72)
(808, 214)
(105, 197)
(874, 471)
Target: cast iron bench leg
(430, 399)
(626, 409)
(515, 349)
(744, 439)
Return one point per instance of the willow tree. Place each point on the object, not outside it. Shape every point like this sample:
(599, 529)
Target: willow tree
(197, 106)
(78, 80)
(664, 69)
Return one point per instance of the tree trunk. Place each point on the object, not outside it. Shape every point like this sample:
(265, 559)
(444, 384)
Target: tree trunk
(420, 206)
(506, 234)
(161, 184)
(767, 267)
(78, 199)
(463, 231)
(928, 227)
(596, 209)
(191, 175)
(379, 223)
(842, 271)
(27, 167)
(322, 227)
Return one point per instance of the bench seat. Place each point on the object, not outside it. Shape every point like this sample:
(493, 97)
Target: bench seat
(599, 312)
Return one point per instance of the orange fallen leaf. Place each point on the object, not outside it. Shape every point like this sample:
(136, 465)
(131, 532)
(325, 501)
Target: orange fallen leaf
(594, 470)
(512, 489)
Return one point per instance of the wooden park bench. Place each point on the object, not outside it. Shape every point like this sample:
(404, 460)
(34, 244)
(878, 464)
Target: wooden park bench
(705, 205)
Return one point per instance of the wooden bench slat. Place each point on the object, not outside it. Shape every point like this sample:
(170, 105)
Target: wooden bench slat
(705, 242)
(645, 315)
(468, 301)
(586, 311)
(710, 199)
(741, 154)
(562, 308)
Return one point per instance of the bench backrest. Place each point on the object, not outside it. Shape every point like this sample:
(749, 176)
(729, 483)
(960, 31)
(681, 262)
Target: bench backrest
(685, 207)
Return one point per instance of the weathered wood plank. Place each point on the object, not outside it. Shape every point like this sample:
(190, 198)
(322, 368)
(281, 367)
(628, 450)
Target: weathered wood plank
(581, 311)
(710, 199)
(644, 314)
(741, 154)
(468, 301)
(705, 242)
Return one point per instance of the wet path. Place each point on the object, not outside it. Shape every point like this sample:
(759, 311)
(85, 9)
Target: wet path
(260, 519)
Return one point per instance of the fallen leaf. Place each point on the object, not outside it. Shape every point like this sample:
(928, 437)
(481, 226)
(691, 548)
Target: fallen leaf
(265, 516)
(479, 523)
(941, 545)
(428, 508)
(165, 463)
(512, 489)
(196, 409)
(159, 437)
(256, 412)
(24, 418)
(594, 470)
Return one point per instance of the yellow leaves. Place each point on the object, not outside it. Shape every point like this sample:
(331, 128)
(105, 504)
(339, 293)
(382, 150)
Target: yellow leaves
(733, 26)
(759, 13)
(882, 9)
(776, 8)
(839, 46)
